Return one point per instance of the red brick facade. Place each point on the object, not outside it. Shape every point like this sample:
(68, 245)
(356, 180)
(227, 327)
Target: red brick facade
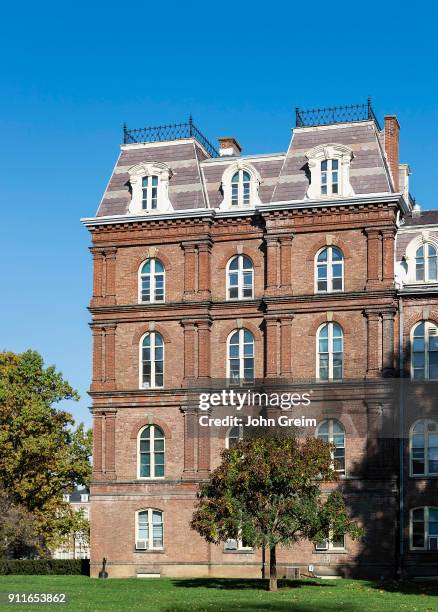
(195, 321)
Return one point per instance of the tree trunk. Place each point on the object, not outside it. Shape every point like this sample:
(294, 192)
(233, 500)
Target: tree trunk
(272, 569)
(264, 564)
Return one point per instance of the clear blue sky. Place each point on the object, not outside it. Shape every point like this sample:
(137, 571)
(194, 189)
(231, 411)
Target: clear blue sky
(72, 73)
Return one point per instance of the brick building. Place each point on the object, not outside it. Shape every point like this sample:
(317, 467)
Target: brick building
(305, 266)
(77, 545)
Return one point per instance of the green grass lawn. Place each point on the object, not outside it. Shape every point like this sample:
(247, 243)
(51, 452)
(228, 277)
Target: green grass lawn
(221, 594)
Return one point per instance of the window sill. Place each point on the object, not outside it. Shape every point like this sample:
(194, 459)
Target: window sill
(330, 552)
(423, 476)
(150, 551)
(151, 479)
(250, 551)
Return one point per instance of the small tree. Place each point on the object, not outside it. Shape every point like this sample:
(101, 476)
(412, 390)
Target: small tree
(267, 491)
(41, 453)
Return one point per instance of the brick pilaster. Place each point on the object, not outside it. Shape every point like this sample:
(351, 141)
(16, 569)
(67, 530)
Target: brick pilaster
(388, 244)
(286, 346)
(388, 342)
(373, 327)
(373, 257)
(189, 269)
(110, 356)
(190, 429)
(271, 347)
(189, 349)
(272, 264)
(286, 263)
(204, 257)
(204, 349)
(97, 446)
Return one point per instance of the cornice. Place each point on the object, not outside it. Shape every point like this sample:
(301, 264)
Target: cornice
(255, 307)
(210, 214)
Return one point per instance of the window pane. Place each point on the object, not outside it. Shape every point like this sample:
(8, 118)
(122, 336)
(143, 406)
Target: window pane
(324, 165)
(334, 164)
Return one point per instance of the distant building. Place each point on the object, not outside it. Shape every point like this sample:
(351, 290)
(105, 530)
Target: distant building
(306, 265)
(76, 547)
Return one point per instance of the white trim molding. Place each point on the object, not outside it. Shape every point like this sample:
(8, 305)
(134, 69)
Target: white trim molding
(411, 251)
(327, 152)
(137, 173)
(255, 182)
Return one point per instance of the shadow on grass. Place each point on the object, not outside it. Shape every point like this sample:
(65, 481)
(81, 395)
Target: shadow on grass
(425, 587)
(231, 584)
(276, 606)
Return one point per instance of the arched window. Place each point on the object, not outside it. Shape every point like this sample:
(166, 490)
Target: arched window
(424, 448)
(330, 349)
(149, 186)
(424, 343)
(151, 287)
(329, 166)
(241, 188)
(426, 263)
(329, 270)
(151, 452)
(424, 528)
(152, 361)
(241, 356)
(333, 432)
(149, 529)
(240, 277)
(235, 434)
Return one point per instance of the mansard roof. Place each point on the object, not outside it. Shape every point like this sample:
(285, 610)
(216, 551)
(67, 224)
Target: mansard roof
(196, 177)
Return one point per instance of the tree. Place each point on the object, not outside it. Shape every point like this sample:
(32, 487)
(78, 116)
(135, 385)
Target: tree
(267, 491)
(41, 453)
(18, 533)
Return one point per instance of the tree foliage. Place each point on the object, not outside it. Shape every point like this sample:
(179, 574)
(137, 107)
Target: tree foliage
(41, 453)
(267, 491)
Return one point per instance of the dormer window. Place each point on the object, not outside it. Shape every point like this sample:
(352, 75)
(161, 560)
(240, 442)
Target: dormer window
(420, 264)
(240, 185)
(240, 188)
(329, 176)
(329, 167)
(426, 263)
(149, 188)
(150, 192)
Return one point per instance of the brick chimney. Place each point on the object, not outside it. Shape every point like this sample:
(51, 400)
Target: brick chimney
(392, 134)
(229, 146)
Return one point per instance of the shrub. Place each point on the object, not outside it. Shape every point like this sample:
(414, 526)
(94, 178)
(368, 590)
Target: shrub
(45, 566)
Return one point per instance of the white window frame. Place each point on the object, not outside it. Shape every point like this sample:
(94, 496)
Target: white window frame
(328, 173)
(331, 422)
(254, 199)
(329, 265)
(240, 275)
(149, 192)
(227, 437)
(153, 281)
(427, 536)
(85, 497)
(153, 385)
(151, 452)
(426, 257)
(65, 497)
(428, 325)
(136, 175)
(328, 545)
(241, 357)
(330, 351)
(426, 448)
(149, 544)
(239, 547)
(328, 152)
